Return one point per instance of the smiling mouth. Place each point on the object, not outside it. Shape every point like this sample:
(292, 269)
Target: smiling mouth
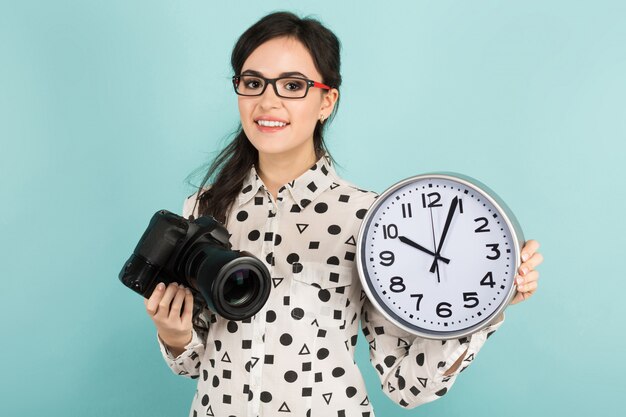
(271, 123)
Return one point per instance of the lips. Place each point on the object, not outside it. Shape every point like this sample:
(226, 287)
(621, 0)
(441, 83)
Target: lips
(270, 124)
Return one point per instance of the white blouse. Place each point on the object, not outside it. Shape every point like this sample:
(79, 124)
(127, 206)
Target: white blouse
(296, 356)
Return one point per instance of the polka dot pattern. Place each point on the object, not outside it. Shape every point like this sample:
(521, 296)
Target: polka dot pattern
(296, 356)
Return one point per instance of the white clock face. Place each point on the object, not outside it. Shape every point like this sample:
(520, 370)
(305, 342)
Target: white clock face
(438, 256)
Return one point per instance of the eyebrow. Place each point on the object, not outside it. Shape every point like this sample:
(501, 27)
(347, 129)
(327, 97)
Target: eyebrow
(282, 74)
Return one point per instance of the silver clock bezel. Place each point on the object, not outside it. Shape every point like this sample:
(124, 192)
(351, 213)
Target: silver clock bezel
(503, 210)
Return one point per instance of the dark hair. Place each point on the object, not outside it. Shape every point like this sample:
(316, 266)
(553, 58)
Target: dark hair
(231, 166)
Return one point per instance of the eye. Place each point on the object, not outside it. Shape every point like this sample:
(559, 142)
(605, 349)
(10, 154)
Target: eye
(294, 84)
(251, 83)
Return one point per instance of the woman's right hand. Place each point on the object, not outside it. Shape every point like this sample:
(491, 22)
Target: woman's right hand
(171, 310)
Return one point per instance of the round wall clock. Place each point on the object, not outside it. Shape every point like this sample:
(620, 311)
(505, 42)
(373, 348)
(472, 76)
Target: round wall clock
(438, 255)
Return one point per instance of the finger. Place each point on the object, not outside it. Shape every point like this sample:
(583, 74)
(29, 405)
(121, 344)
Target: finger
(535, 260)
(532, 276)
(152, 303)
(528, 288)
(529, 249)
(188, 311)
(164, 305)
(531, 264)
(519, 297)
(524, 294)
(177, 303)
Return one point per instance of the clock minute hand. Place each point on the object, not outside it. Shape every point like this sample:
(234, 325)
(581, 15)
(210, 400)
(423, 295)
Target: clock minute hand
(455, 202)
(409, 242)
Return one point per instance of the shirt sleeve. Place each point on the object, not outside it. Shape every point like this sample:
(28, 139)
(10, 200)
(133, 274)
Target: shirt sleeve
(188, 363)
(411, 369)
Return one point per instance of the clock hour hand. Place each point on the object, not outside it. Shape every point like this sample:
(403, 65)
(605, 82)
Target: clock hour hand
(409, 242)
(455, 202)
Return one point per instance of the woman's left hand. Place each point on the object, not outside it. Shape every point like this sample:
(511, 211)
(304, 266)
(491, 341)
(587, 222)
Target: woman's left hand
(527, 277)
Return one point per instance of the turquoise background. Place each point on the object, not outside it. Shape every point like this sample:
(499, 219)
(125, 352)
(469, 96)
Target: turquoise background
(107, 107)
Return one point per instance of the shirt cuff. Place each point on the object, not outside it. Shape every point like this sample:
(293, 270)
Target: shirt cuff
(470, 346)
(195, 342)
(497, 322)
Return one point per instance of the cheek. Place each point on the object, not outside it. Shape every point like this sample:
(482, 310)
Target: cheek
(244, 109)
(308, 114)
(245, 115)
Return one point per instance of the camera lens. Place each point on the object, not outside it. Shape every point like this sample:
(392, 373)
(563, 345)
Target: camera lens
(234, 284)
(240, 287)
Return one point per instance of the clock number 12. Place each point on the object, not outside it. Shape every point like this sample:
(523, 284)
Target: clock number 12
(433, 200)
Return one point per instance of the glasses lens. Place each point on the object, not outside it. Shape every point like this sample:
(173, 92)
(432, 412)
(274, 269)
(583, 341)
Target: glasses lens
(291, 87)
(250, 85)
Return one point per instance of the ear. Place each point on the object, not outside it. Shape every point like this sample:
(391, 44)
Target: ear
(328, 102)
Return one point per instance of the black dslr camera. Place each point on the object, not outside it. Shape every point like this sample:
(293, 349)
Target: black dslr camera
(197, 254)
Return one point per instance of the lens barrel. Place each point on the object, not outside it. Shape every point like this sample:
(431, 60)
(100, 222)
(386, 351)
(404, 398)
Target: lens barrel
(235, 284)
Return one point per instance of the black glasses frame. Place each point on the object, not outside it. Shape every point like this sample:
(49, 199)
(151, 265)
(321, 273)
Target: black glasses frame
(272, 81)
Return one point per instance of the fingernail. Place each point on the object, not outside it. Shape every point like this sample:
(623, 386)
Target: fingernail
(187, 291)
(524, 270)
(160, 286)
(524, 257)
(520, 281)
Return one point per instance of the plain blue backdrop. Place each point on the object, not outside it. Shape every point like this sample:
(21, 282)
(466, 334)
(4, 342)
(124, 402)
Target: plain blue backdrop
(107, 107)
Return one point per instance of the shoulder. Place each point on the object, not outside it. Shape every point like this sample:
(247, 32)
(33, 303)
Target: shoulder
(192, 203)
(356, 194)
(347, 196)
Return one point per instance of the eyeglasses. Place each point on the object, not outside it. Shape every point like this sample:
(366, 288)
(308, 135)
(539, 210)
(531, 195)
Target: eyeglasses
(285, 87)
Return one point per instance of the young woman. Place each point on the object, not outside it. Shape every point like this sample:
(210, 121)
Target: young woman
(275, 188)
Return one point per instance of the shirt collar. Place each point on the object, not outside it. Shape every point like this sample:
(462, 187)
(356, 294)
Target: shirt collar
(304, 189)
(251, 185)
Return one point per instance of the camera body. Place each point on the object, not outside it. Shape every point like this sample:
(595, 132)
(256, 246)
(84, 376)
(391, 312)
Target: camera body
(197, 254)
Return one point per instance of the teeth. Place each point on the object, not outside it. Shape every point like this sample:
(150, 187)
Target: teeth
(271, 123)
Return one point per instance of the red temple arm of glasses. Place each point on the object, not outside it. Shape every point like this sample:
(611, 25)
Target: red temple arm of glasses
(320, 85)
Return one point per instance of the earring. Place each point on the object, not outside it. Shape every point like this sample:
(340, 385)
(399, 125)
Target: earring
(322, 118)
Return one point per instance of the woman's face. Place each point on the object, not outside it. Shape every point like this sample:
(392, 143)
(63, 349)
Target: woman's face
(296, 118)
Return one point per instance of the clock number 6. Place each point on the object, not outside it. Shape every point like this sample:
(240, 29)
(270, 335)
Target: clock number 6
(443, 310)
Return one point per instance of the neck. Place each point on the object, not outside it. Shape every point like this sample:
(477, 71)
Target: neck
(277, 170)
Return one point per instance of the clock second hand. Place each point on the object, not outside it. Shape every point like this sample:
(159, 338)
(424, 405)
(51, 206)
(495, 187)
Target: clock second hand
(455, 202)
(432, 227)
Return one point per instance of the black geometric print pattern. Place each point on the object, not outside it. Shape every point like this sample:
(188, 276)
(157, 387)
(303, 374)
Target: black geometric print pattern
(296, 356)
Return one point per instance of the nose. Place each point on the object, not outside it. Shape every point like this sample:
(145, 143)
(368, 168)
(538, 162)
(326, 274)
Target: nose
(269, 99)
